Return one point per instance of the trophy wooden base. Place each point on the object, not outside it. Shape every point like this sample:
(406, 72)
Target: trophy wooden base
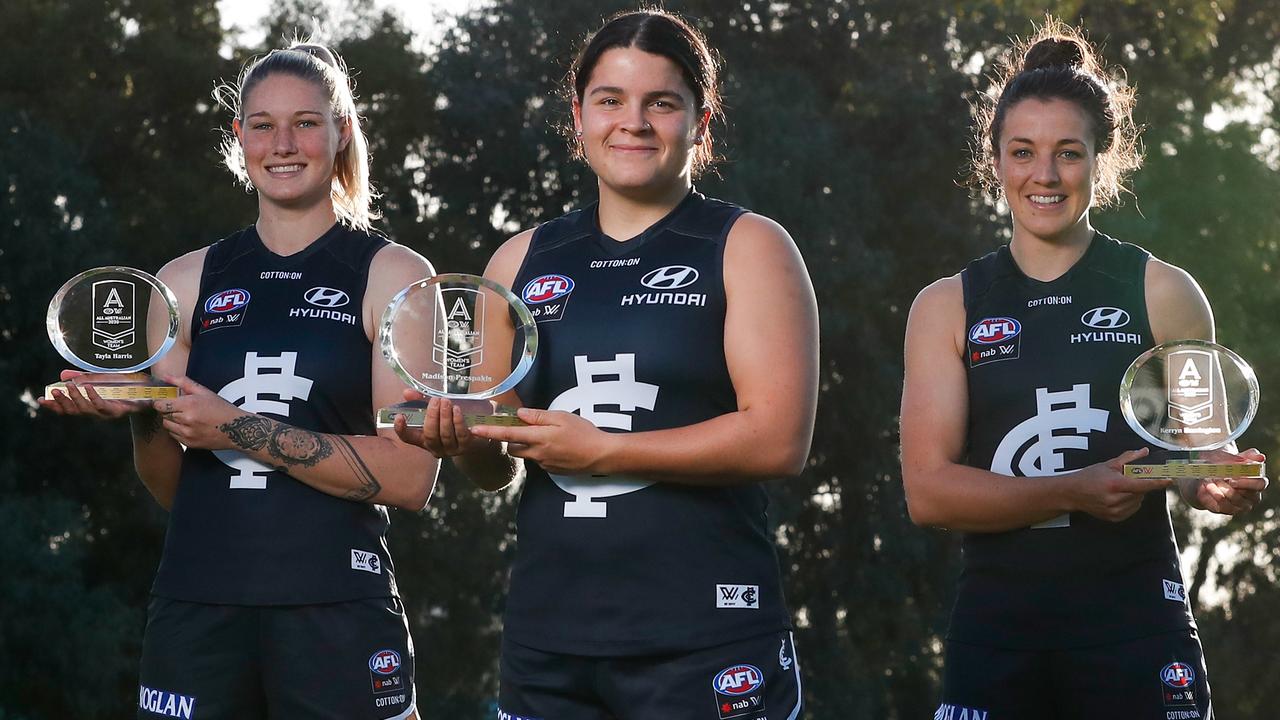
(137, 386)
(474, 412)
(1193, 469)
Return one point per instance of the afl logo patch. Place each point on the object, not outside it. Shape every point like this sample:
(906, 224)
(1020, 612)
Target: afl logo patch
(738, 680)
(326, 297)
(546, 288)
(1178, 675)
(1105, 318)
(226, 301)
(670, 277)
(385, 662)
(990, 331)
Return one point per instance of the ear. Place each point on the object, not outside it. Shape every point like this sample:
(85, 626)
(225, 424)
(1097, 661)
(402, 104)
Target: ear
(344, 134)
(238, 128)
(577, 115)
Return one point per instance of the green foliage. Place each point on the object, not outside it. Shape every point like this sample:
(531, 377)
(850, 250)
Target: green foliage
(847, 122)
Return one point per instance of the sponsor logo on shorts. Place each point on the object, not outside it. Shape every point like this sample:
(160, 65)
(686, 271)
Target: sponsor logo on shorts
(547, 296)
(365, 561)
(1178, 687)
(224, 309)
(504, 715)
(384, 671)
(784, 661)
(994, 339)
(1174, 591)
(739, 690)
(162, 702)
(958, 712)
(738, 596)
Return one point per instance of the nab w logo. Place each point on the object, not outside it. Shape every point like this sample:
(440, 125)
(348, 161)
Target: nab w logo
(671, 277)
(588, 398)
(738, 596)
(1105, 318)
(264, 377)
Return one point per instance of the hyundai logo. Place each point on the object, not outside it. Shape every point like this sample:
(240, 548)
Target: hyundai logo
(1105, 318)
(326, 297)
(671, 277)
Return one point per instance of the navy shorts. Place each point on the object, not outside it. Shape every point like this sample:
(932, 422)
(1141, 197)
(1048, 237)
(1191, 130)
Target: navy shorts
(1161, 677)
(338, 660)
(753, 679)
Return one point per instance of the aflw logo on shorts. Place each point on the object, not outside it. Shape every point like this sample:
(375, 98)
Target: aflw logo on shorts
(738, 596)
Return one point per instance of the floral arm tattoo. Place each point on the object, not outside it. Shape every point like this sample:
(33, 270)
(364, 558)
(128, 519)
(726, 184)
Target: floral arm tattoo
(304, 448)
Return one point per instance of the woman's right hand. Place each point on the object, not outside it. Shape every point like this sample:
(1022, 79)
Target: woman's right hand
(83, 400)
(1105, 492)
(444, 432)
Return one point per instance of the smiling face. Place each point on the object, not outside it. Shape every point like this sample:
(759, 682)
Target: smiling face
(1045, 161)
(639, 121)
(290, 139)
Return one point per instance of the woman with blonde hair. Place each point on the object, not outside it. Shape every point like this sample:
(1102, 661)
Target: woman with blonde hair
(276, 594)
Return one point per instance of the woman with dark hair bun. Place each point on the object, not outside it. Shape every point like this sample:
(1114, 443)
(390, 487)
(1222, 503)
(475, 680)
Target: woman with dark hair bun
(678, 371)
(1071, 603)
(276, 595)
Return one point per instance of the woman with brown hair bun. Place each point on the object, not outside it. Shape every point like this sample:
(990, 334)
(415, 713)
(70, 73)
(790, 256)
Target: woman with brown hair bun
(1071, 603)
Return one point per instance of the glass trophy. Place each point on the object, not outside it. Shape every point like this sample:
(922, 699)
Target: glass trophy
(1189, 396)
(113, 323)
(460, 337)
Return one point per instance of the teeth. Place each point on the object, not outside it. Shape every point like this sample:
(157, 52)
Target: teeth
(1048, 198)
(284, 168)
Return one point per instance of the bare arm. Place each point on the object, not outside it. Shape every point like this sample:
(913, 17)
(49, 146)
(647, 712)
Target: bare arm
(771, 349)
(944, 492)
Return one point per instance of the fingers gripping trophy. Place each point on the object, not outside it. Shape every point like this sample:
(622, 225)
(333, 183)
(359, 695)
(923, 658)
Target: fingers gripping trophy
(113, 323)
(461, 337)
(1189, 397)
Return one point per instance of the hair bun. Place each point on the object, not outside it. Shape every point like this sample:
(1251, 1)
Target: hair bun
(1054, 52)
(319, 52)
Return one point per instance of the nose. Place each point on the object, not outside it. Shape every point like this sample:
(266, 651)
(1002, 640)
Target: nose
(636, 123)
(284, 141)
(1046, 171)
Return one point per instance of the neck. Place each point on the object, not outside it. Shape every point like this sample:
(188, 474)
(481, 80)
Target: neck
(286, 230)
(1046, 259)
(624, 216)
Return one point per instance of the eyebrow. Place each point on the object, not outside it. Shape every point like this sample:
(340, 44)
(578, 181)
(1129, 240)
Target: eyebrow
(300, 112)
(614, 90)
(1064, 141)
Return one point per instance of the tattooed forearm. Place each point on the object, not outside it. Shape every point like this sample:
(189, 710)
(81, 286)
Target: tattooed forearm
(296, 446)
(145, 425)
(369, 485)
(248, 432)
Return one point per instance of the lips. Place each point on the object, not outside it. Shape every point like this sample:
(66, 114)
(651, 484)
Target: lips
(1047, 199)
(284, 169)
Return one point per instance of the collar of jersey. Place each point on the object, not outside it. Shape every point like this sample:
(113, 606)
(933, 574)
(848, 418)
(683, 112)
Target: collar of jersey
(1011, 266)
(302, 255)
(617, 248)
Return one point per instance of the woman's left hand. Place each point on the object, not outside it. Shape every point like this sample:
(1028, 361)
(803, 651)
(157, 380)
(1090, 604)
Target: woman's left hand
(195, 418)
(1227, 496)
(560, 442)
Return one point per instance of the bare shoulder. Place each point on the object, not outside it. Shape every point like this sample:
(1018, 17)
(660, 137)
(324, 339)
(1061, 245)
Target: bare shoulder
(1176, 306)
(757, 232)
(942, 297)
(396, 263)
(184, 269)
(506, 260)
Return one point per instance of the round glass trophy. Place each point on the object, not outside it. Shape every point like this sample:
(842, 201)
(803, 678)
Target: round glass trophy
(460, 337)
(113, 323)
(1190, 396)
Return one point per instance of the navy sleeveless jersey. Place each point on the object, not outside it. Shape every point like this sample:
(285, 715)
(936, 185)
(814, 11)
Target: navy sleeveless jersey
(631, 338)
(1044, 362)
(282, 337)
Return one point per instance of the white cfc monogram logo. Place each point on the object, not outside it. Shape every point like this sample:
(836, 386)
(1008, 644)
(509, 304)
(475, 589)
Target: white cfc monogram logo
(623, 393)
(1055, 412)
(280, 382)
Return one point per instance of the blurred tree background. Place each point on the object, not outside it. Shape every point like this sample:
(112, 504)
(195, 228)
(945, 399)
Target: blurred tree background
(847, 123)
